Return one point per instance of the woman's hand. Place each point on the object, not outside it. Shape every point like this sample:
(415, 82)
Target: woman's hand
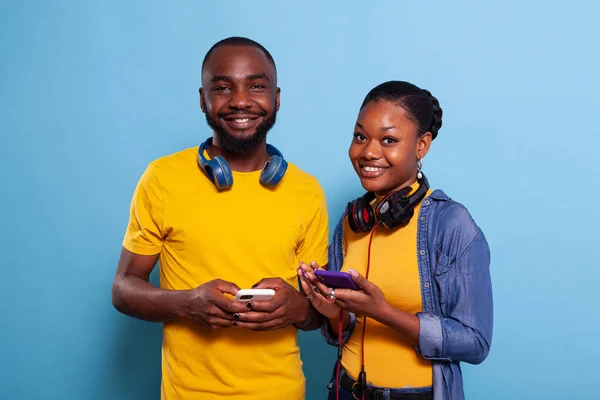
(368, 301)
(316, 292)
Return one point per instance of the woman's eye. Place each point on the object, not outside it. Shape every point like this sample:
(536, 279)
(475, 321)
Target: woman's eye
(389, 140)
(359, 137)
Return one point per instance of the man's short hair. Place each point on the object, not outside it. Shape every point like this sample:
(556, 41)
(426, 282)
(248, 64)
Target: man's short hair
(239, 41)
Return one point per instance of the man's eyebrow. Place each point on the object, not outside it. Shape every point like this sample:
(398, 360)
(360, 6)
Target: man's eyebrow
(258, 76)
(217, 78)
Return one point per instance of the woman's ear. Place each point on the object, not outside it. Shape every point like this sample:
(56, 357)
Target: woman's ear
(423, 145)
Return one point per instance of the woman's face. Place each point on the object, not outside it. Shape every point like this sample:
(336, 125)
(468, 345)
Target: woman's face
(385, 147)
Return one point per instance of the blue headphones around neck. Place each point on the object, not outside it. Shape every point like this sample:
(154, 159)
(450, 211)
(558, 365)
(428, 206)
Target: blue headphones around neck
(219, 173)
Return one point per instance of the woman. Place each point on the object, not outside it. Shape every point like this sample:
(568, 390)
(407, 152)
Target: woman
(421, 263)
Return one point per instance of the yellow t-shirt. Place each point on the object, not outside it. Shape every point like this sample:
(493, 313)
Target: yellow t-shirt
(241, 235)
(390, 361)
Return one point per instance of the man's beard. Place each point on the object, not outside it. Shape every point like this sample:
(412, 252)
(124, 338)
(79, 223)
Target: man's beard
(232, 144)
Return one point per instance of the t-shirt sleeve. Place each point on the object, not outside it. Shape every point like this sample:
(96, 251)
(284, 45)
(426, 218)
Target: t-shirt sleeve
(144, 234)
(313, 246)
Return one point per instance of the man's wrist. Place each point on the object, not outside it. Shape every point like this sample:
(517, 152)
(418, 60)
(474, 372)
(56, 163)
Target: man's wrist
(182, 304)
(306, 317)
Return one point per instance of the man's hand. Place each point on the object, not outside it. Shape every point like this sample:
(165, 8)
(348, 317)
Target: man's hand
(208, 306)
(287, 307)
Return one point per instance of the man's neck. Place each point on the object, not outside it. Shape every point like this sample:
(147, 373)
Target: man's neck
(253, 160)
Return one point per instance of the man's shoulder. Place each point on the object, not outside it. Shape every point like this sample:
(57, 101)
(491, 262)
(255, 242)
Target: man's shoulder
(175, 162)
(296, 176)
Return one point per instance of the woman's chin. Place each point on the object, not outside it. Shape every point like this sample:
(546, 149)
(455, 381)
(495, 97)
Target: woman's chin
(370, 186)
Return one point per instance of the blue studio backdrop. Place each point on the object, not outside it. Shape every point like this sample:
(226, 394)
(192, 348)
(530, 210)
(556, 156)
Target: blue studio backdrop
(91, 92)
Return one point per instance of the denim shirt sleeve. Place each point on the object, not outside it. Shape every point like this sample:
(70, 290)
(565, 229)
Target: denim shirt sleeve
(333, 339)
(336, 260)
(465, 333)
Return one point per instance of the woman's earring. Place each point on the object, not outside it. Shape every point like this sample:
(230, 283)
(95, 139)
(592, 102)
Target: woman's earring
(419, 166)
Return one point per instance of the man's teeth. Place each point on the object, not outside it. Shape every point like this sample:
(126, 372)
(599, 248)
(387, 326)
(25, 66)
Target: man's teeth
(372, 169)
(241, 120)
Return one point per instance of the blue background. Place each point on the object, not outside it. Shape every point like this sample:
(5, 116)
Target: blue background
(90, 92)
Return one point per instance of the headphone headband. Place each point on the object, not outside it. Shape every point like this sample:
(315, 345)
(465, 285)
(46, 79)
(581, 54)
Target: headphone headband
(394, 210)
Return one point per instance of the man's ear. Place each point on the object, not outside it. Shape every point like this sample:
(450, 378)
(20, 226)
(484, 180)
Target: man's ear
(202, 101)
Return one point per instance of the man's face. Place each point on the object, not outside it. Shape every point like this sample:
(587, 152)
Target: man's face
(239, 96)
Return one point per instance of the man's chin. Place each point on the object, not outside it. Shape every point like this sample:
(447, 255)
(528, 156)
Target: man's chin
(238, 142)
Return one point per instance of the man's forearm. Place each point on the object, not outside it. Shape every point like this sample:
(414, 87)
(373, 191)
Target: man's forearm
(137, 298)
(310, 319)
(312, 322)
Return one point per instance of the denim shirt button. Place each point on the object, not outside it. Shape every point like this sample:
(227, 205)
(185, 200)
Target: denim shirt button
(426, 202)
(422, 219)
(426, 284)
(422, 252)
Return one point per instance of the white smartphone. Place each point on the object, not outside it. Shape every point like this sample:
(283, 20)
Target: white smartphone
(254, 294)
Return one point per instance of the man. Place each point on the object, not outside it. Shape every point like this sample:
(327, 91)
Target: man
(216, 231)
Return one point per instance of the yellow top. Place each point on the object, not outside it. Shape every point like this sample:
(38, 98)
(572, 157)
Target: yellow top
(241, 235)
(390, 361)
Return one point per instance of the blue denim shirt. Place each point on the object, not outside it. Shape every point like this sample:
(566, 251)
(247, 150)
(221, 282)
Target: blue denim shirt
(457, 318)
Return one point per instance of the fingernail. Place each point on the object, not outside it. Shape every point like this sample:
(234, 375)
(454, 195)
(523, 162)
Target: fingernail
(235, 323)
(250, 305)
(353, 273)
(236, 316)
(313, 264)
(303, 273)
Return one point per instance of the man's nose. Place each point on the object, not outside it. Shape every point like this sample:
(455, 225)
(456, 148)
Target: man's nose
(240, 99)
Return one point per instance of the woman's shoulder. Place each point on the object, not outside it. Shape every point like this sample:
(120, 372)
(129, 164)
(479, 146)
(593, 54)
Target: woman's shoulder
(451, 217)
(448, 206)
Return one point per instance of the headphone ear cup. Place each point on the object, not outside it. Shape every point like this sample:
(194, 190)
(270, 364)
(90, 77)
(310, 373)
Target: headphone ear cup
(216, 169)
(273, 171)
(220, 171)
(361, 217)
(351, 219)
(365, 216)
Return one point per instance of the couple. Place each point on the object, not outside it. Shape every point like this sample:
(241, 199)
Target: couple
(233, 214)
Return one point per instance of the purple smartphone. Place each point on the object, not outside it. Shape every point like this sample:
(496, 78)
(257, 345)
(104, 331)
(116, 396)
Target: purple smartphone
(336, 280)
